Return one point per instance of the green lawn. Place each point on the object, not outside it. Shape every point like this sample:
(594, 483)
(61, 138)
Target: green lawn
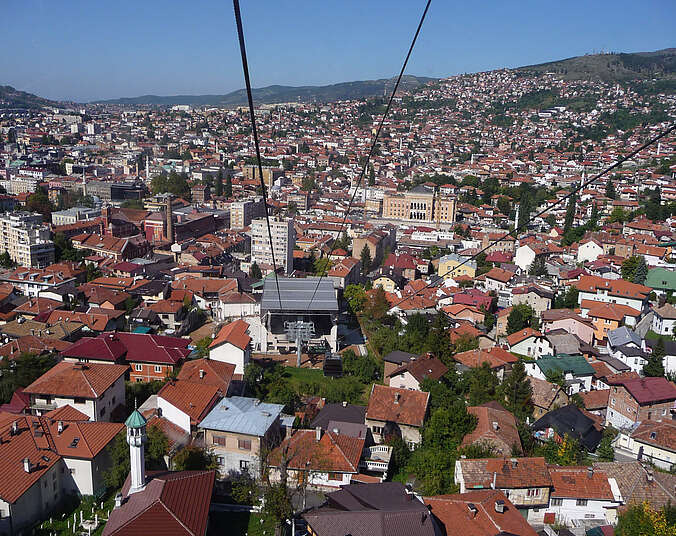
(60, 520)
(239, 524)
(650, 334)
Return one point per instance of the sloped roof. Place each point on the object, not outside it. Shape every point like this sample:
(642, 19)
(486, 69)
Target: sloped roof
(216, 373)
(495, 425)
(193, 399)
(175, 503)
(422, 368)
(647, 390)
(242, 415)
(402, 406)
(77, 380)
(572, 421)
(494, 356)
(578, 482)
(234, 333)
(333, 452)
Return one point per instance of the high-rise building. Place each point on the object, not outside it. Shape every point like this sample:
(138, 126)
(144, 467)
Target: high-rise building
(27, 241)
(242, 212)
(283, 240)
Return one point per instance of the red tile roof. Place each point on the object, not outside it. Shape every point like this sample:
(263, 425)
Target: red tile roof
(193, 399)
(577, 482)
(233, 333)
(76, 380)
(647, 390)
(217, 373)
(522, 335)
(495, 356)
(495, 426)
(401, 406)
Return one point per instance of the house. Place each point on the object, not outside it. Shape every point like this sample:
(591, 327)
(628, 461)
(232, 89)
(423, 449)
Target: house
(524, 481)
(497, 279)
(232, 345)
(625, 345)
(606, 317)
(464, 312)
(396, 359)
(323, 460)
(389, 279)
(612, 291)
(546, 396)
(664, 319)
(403, 263)
(589, 250)
(568, 421)
(42, 462)
(651, 441)
(170, 313)
(186, 403)
(374, 508)
(163, 502)
(208, 372)
(478, 513)
(661, 280)
(238, 430)
(345, 272)
(338, 412)
(151, 357)
(569, 321)
(577, 373)
(538, 298)
(411, 375)
(529, 342)
(400, 412)
(94, 389)
(498, 359)
(496, 427)
(580, 494)
(635, 400)
(452, 266)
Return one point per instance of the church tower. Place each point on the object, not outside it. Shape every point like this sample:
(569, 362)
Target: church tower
(136, 437)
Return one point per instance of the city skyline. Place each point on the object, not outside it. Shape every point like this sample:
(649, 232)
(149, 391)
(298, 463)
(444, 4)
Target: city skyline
(91, 52)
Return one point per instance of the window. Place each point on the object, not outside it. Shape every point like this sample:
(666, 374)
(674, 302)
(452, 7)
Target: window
(220, 460)
(244, 444)
(139, 380)
(557, 502)
(138, 367)
(244, 465)
(378, 430)
(533, 492)
(335, 476)
(219, 440)
(158, 368)
(102, 412)
(581, 502)
(79, 400)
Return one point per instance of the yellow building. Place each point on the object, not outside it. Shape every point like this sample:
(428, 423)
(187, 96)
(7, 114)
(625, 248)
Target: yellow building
(422, 204)
(449, 267)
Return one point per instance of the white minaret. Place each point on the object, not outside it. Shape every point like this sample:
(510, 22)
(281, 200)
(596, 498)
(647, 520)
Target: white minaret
(147, 169)
(136, 437)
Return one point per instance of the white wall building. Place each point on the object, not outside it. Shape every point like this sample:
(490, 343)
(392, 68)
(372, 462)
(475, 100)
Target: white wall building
(283, 240)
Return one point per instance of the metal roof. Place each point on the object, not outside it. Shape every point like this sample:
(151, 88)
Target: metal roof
(297, 294)
(242, 415)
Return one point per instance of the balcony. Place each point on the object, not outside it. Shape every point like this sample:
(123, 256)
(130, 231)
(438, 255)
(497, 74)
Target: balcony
(376, 458)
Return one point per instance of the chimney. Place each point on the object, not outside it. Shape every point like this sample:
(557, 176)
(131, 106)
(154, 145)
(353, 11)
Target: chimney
(318, 433)
(397, 396)
(495, 426)
(118, 500)
(495, 479)
(59, 427)
(170, 221)
(27, 465)
(202, 374)
(590, 472)
(500, 506)
(15, 428)
(649, 476)
(473, 511)
(515, 462)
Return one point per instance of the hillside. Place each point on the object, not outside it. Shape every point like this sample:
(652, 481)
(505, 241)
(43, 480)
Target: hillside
(11, 98)
(611, 67)
(274, 94)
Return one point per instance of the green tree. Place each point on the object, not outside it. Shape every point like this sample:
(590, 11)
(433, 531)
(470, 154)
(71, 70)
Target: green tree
(518, 392)
(366, 260)
(537, 267)
(376, 306)
(525, 208)
(482, 383)
(219, 183)
(227, 191)
(605, 450)
(21, 371)
(504, 205)
(255, 271)
(629, 267)
(568, 299)
(6, 261)
(355, 296)
(570, 213)
(641, 272)
(610, 190)
(521, 316)
(372, 176)
(644, 520)
(39, 202)
(308, 183)
(321, 266)
(654, 366)
(277, 504)
(193, 458)
(202, 347)
(155, 450)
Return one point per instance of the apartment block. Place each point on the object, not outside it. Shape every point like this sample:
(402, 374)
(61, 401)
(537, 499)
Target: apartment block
(243, 212)
(27, 241)
(283, 240)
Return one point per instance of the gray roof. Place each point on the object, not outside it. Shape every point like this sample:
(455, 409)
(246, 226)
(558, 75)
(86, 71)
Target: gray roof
(622, 336)
(242, 415)
(297, 294)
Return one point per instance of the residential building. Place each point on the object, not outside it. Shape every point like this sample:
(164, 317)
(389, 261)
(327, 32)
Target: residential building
(496, 428)
(378, 242)
(396, 359)
(577, 373)
(498, 359)
(74, 215)
(283, 240)
(186, 403)
(546, 396)
(210, 372)
(243, 212)
(95, 389)
(569, 321)
(25, 239)
(635, 400)
(568, 421)
(392, 409)
(479, 513)
(410, 375)
(664, 319)
(232, 345)
(530, 342)
(606, 317)
(618, 291)
(651, 441)
(538, 298)
(452, 265)
(238, 430)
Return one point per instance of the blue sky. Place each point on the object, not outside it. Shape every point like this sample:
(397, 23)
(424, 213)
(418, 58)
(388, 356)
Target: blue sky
(72, 49)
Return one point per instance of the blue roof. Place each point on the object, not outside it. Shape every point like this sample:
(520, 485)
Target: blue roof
(135, 420)
(242, 415)
(142, 329)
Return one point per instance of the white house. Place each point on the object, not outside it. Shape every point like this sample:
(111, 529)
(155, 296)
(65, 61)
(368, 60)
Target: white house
(186, 403)
(589, 251)
(664, 319)
(232, 345)
(651, 441)
(530, 342)
(579, 494)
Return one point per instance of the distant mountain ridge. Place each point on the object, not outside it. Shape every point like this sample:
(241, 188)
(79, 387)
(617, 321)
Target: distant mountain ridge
(11, 98)
(277, 93)
(614, 67)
